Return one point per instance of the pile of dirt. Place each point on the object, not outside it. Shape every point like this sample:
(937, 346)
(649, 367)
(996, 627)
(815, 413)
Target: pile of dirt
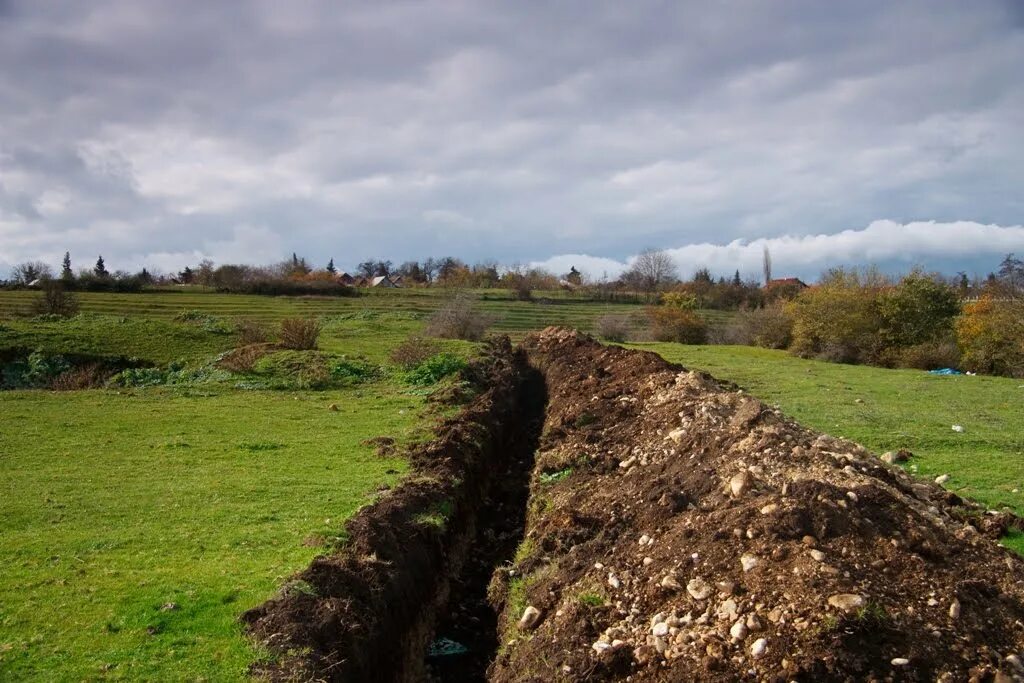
(682, 530)
(368, 612)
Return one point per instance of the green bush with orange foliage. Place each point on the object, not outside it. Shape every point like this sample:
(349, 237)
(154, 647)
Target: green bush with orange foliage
(991, 336)
(670, 324)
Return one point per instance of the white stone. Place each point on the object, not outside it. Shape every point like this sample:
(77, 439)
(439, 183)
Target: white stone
(660, 630)
(748, 562)
(900, 661)
(738, 630)
(613, 581)
(698, 588)
(531, 615)
(846, 601)
(954, 609)
(648, 560)
(739, 484)
(818, 555)
(941, 479)
(757, 650)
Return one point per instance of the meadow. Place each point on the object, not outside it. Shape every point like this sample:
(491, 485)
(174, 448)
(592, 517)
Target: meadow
(138, 522)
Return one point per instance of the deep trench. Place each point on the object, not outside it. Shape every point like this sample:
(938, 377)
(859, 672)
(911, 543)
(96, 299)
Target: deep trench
(467, 619)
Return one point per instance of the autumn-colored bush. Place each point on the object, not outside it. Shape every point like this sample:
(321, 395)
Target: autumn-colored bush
(414, 351)
(838, 319)
(676, 325)
(299, 334)
(459, 319)
(251, 332)
(990, 333)
(770, 327)
(613, 328)
(243, 359)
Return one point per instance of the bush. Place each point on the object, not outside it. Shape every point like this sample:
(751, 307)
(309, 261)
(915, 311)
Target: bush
(770, 327)
(299, 334)
(928, 356)
(838, 320)
(87, 376)
(282, 287)
(294, 370)
(251, 332)
(354, 371)
(206, 321)
(677, 325)
(433, 370)
(459, 319)
(613, 328)
(243, 359)
(414, 351)
(917, 310)
(684, 300)
(55, 300)
(991, 335)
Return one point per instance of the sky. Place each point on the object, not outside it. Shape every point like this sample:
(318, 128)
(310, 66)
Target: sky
(547, 133)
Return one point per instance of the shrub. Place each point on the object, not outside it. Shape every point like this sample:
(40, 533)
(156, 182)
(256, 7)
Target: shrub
(932, 355)
(613, 328)
(459, 319)
(770, 327)
(251, 332)
(299, 334)
(294, 370)
(433, 370)
(677, 325)
(87, 376)
(684, 300)
(243, 359)
(838, 320)
(414, 351)
(991, 335)
(917, 310)
(55, 300)
(206, 321)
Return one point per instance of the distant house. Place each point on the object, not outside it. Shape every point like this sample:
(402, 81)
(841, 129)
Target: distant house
(381, 281)
(784, 288)
(397, 280)
(345, 279)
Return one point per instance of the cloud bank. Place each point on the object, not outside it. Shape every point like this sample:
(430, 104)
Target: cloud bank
(890, 245)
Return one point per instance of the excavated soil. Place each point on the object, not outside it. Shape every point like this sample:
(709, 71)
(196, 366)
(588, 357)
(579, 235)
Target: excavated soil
(681, 530)
(370, 611)
(669, 528)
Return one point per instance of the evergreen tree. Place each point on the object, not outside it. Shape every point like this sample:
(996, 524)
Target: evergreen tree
(66, 273)
(100, 269)
(736, 279)
(330, 267)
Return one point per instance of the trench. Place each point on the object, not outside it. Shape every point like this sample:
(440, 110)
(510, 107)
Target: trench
(465, 638)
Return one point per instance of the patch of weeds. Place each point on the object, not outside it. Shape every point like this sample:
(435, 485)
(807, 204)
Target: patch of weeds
(257, 446)
(436, 517)
(175, 374)
(205, 321)
(585, 420)
(525, 550)
(299, 587)
(873, 615)
(590, 599)
(555, 477)
(39, 370)
(434, 369)
(348, 371)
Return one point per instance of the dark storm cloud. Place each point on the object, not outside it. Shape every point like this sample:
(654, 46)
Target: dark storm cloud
(160, 133)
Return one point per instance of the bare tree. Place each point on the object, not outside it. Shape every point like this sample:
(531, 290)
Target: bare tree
(652, 269)
(30, 271)
(767, 265)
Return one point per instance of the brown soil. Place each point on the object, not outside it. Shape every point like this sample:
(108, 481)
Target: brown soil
(681, 530)
(368, 612)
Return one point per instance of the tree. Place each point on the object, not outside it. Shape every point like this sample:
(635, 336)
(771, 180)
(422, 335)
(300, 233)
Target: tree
(186, 277)
(766, 265)
(66, 274)
(55, 300)
(205, 273)
(100, 269)
(652, 269)
(30, 271)
(330, 267)
(1011, 275)
(918, 309)
(574, 276)
(736, 281)
(145, 277)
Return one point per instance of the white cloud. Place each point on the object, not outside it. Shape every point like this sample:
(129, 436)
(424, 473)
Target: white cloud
(882, 242)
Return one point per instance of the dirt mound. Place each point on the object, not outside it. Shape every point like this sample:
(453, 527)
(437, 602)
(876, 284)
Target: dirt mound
(368, 612)
(682, 530)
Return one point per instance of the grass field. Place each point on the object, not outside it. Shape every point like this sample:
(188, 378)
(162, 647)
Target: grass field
(115, 504)
(207, 495)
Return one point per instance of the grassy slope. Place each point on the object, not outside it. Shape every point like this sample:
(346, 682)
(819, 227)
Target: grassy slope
(899, 409)
(115, 504)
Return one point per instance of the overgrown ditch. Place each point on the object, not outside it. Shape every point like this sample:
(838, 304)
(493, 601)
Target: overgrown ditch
(598, 514)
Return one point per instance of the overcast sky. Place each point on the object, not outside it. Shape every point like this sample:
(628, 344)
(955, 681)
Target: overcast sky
(159, 133)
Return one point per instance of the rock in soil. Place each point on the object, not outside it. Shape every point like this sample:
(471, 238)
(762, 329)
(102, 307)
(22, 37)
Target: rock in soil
(738, 496)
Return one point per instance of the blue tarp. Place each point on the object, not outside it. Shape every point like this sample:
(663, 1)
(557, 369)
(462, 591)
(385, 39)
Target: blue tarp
(945, 371)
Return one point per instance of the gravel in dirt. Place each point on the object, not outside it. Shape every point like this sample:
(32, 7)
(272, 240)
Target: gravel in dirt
(742, 545)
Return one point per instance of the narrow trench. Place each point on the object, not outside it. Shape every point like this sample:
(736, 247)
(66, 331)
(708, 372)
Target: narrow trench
(466, 633)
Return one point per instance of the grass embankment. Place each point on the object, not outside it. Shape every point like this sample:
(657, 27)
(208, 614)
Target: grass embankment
(889, 409)
(511, 317)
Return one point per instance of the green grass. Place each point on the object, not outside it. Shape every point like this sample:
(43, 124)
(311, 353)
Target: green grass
(116, 504)
(890, 409)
